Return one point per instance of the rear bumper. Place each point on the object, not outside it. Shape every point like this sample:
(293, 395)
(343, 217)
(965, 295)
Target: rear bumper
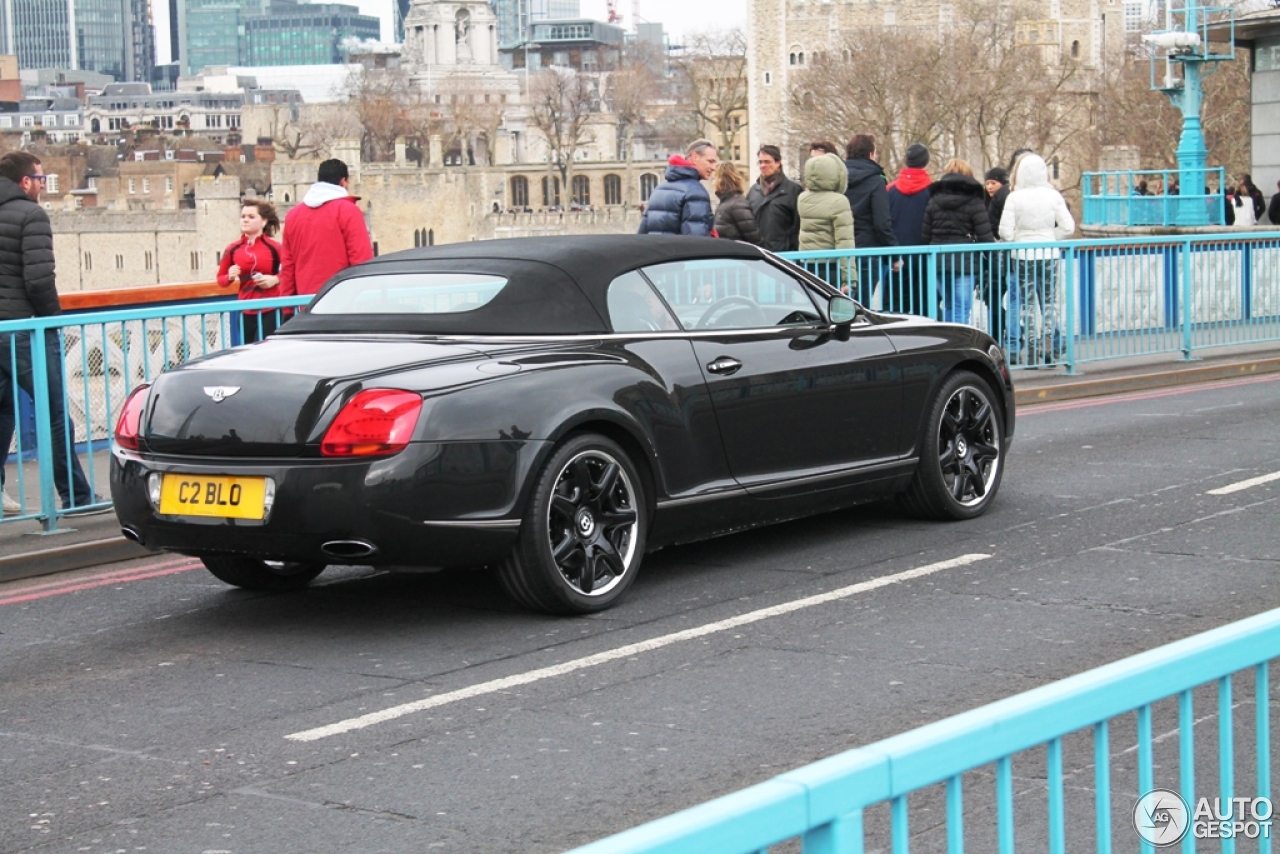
(437, 504)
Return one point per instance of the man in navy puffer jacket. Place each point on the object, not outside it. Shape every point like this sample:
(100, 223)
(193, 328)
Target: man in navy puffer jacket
(680, 204)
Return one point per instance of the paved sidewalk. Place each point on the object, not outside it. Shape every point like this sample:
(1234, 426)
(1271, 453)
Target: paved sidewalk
(26, 552)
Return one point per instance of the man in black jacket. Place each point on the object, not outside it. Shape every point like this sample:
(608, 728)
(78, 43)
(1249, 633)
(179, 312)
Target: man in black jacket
(869, 200)
(773, 200)
(27, 289)
(1273, 211)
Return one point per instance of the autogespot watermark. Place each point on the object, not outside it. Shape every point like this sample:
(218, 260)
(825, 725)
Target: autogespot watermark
(1163, 818)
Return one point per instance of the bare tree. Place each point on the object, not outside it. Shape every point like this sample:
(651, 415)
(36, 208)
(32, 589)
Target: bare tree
(474, 118)
(381, 99)
(561, 103)
(320, 125)
(970, 88)
(1133, 114)
(631, 91)
(711, 74)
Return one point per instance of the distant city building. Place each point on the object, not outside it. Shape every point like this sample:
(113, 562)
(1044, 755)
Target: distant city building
(209, 106)
(578, 43)
(266, 32)
(59, 117)
(516, 16)
(290, 33)
(209, 32)
(113, 37)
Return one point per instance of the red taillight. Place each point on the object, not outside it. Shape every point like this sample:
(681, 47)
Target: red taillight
(129, 424)
(374, 423)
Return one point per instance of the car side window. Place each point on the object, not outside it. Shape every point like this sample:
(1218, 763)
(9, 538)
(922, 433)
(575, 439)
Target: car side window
(634, 306)
(733, 293)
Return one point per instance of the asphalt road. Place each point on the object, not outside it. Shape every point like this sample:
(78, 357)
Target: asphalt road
(146, 707)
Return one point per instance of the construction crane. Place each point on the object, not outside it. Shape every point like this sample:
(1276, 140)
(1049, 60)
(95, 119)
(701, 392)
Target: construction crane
(614, 17)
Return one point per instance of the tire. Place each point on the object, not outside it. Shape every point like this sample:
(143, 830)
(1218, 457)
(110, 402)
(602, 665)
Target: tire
(253, 574)
(583, 533)
(961, 456)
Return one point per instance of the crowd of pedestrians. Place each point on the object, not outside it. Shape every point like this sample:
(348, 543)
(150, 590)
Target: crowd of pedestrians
(847, 203)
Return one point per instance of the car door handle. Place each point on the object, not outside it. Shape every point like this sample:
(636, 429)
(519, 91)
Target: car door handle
(725, 365)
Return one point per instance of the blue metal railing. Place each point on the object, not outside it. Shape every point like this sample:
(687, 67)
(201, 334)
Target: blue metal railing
(1175, 197)
(104, 355)
(1060, 304)
(1073, 302)
(824, 805)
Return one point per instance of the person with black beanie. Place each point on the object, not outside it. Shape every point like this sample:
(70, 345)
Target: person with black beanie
(994, 284)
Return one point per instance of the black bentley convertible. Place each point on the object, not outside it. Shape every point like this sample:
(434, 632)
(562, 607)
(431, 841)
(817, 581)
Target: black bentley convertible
(554, 408)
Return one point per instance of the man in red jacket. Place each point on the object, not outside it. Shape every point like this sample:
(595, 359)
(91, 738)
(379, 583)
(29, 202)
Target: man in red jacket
(324, 234)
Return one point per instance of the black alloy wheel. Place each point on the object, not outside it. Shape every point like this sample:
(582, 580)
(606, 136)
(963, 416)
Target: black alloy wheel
(961, 462)
(254, 574)
(582, 538)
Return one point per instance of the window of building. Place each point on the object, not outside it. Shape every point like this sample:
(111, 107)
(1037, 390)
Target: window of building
(581, 190)
(195, 260)
(27, 121)
(612, 190)
(146, 185)
(768, 78)
(168, 185)
(1075, 50)
(550, 192)
(133, 186)
(148, 259)
(49, 121)
(519, 192)
(648, 183)
(91, 183)
(6, 121)
(51, 182)
(71, 121)
(119, 262)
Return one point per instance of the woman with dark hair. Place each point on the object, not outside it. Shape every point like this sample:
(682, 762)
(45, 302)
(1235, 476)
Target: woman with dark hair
(734, 217)
(253, 263)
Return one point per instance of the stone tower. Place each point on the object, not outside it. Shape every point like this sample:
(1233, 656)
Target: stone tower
(461, 32)
(783, 35)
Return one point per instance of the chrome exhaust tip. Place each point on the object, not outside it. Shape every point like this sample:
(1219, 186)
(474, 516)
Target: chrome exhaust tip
(131, 534)
(349, 549)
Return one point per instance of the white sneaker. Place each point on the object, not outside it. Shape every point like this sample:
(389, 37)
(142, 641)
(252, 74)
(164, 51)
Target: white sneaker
(11, 507)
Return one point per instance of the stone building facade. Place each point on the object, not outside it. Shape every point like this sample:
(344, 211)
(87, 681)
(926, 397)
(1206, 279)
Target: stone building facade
(784, 35)
(405, 206)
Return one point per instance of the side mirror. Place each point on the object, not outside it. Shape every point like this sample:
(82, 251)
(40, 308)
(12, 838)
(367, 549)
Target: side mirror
(842, 310)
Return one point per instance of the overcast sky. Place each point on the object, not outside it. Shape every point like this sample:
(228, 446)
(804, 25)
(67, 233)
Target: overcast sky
(678, 16)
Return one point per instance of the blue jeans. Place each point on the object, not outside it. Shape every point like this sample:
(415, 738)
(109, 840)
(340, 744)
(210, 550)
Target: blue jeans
(68, 476)
(957, 297)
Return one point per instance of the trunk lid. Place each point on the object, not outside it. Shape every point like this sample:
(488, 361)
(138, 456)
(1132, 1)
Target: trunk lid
(273, 398)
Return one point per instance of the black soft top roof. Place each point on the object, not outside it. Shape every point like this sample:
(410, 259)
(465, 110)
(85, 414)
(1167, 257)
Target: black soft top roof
(557, 284)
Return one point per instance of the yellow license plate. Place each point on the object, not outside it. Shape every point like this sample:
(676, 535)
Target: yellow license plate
(213, 495)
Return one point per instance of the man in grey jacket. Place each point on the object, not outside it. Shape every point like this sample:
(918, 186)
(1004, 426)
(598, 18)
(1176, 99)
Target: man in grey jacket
(27, 289)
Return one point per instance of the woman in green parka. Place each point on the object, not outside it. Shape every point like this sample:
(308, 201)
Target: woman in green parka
(826, 220)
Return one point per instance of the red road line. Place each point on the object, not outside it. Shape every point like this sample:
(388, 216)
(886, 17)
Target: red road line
(1038, 408)
(45, 591)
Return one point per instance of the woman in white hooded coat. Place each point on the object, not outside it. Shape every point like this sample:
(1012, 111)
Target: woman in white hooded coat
(1035, 212)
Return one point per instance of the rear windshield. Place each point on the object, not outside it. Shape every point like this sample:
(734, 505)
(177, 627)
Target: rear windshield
(410, 293)
(451, 296)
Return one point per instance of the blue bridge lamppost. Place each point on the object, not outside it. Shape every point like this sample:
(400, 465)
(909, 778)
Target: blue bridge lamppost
(1188, 45)
(1181, 56)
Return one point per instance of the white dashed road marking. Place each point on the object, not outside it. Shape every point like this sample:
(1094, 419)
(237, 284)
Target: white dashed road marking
(516, 680)
(1245, 484)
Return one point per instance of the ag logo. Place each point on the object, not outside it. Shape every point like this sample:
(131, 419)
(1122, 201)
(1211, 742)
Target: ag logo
(1161, 817)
